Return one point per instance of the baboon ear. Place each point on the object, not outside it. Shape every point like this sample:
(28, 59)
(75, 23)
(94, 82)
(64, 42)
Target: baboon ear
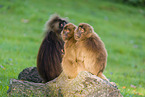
(91, 29)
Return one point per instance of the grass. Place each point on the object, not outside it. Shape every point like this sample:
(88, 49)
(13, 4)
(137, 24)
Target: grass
(121, 27)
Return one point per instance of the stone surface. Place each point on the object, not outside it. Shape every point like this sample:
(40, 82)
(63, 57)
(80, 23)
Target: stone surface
(30, 74)
(84, 85)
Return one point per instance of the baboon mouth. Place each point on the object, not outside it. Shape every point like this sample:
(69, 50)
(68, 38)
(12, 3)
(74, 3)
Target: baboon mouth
(64, 38)
(77, 37)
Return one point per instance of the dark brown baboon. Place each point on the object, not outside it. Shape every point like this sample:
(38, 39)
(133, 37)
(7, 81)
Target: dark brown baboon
(91, 52)
(50, 52)
(69, 58)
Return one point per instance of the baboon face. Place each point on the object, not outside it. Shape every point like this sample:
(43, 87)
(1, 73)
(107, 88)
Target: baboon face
(58, 25)
(82, 30)
(68, 31)
(62, 23)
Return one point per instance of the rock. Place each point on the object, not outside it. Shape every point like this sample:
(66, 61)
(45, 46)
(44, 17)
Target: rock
(30, 74)
(84, 85)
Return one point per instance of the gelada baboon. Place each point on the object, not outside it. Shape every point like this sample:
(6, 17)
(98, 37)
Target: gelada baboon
(69, 58)
(50, 52)
(91, 52)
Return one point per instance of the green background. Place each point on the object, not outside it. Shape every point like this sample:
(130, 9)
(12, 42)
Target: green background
(120, 26)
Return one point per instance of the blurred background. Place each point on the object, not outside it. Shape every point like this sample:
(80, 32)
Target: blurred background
(119, 23)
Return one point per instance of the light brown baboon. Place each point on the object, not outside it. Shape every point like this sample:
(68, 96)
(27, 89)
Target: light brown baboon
(69, 58)
(91, 52)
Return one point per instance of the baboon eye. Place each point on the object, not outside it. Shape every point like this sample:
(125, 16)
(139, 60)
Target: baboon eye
(67, 30)
(61, 25)
(82, 30)
(64, 23)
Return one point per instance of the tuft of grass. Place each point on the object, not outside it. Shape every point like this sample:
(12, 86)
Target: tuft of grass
(121, 27)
